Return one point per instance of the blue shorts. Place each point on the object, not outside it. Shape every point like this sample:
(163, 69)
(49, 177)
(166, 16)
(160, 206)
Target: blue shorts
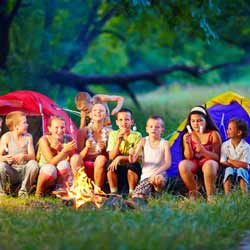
(236, 173)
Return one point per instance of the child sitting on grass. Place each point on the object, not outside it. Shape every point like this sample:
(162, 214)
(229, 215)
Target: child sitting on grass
(92, 142)
(235, 155)
(54, 157)
(84, 103)
(17, 165)
(156, 158)
(119, 143)
(201, 150)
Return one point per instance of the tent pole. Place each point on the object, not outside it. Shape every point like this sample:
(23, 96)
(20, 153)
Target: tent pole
(42, 115)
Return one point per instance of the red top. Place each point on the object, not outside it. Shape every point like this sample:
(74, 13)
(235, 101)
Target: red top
(200, 159)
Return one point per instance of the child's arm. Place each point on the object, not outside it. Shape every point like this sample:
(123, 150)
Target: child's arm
(111, 98)
(214, 154)
(83, 115)
(168, 159)
(114, 152)
(83, 145)
(236, 164)
(188, 152)
(3, 157)
(47, 153)
(134, 153)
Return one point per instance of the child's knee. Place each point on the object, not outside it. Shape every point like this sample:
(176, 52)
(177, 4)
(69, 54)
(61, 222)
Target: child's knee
(63, 168)
(49, 171)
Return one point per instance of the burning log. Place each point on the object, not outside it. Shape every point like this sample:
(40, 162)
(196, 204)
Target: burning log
(84, 191)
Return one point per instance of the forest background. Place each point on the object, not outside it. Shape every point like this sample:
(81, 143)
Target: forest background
(140, 49)
(163, 57)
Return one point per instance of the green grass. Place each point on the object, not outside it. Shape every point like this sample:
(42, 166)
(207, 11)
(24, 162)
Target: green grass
(167, 222)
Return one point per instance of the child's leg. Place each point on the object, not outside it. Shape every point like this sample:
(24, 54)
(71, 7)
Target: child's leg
(46, 179)
(64, 173)
(7, 173)
(228, 179)
(133, 175)
(142, 189)
(242, 175)
(243, 186)
(158, 182)
(112, 179)
(210, 169)
(29, 177)
(227, 185)
(75, 163)
(187, 171)
(100, 170)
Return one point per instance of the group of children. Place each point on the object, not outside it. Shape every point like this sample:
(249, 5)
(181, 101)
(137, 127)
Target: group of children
(106, 154)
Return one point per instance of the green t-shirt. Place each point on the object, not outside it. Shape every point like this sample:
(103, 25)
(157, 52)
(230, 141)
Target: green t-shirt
(130, 142)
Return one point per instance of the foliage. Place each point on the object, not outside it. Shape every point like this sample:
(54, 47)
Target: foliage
(110, 37)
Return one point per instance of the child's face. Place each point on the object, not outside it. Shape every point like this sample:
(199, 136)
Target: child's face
(98, 112)
(233, 131)
(124, 121)
(83, 103)
(196, 121)
(154, 127)
(57, 129)
(22, 125)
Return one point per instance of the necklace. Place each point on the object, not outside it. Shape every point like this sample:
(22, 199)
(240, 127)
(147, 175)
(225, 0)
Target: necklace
(104, 137)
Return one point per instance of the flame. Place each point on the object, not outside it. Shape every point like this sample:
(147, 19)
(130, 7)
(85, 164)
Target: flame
(83, 191)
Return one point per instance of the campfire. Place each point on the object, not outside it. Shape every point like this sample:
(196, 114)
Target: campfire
(83, 191)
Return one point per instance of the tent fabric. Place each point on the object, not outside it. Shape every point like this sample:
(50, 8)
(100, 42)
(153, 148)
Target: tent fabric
(221, 108)
(35, 104)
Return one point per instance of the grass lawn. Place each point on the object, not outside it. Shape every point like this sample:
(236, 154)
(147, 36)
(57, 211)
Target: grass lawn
(166, 222)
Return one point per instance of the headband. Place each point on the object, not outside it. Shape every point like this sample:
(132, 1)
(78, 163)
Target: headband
(199, 109)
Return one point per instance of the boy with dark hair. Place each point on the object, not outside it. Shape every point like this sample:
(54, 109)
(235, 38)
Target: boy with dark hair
(235, 155)
(119, 144)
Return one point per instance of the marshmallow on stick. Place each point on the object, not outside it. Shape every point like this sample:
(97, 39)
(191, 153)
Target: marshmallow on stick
(201, 129)
(189, 129)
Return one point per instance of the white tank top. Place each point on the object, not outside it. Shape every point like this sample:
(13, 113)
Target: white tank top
(152, 159)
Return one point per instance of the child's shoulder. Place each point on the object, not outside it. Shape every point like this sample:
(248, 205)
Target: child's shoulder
(135, 133)
(28, 135)
(244, 143)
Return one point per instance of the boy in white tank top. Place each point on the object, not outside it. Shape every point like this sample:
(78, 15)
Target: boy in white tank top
(156, 158)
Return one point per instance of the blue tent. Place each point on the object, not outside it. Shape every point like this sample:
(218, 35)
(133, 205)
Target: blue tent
(221, 108)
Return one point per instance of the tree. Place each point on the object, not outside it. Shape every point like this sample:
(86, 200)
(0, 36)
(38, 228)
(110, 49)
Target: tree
(78, 43)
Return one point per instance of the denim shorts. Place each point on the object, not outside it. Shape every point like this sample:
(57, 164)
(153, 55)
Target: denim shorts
(236, 173)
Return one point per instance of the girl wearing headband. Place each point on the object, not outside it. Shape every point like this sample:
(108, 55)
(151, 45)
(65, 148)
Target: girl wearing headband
(201, 149)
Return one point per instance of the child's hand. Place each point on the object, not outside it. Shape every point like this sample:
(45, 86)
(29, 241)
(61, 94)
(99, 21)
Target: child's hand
(131, 151)
(9, 159)
(114, 111)
(113, 166)
(131, 154)
(187, 138)
(199, 148)
(121, 134)
(89, 143)
(101, 145)
(69, 147)
(18, 159)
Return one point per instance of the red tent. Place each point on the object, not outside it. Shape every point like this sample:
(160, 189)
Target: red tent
(38, 108)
